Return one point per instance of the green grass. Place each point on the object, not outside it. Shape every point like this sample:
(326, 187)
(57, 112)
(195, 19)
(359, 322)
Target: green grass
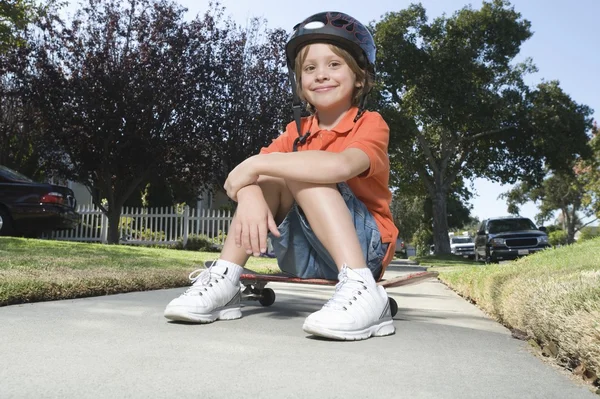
(40, 270)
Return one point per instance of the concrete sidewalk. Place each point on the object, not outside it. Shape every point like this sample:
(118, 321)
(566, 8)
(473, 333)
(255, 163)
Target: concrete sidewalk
(120, 346)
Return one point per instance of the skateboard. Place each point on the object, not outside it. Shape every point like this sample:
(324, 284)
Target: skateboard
(254, 284)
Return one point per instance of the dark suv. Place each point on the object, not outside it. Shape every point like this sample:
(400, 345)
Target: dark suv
(506, 238)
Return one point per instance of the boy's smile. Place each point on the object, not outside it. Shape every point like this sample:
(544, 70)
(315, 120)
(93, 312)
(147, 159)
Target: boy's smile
(327, 81)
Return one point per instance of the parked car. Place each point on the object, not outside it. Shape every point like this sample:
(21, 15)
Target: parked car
(401, 248)
(29, 208)
(462, 245)
(507, 238)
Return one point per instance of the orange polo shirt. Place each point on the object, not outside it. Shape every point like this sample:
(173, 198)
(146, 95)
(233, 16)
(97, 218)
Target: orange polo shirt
(369, 134)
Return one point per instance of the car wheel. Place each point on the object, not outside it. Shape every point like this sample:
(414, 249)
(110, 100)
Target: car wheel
(489, 258)
(6, 227)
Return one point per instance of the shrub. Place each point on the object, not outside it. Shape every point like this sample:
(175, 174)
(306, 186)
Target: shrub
(422, 239)
(588, 233)
(196, 242)
(557, 237)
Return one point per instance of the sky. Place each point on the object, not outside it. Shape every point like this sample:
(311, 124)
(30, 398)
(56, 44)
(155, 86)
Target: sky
(564, 47)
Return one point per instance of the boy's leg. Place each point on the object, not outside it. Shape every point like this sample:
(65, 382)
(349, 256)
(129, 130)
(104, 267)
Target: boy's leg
(280, 201)
(344, 228)
(339, 228)
(215, 292)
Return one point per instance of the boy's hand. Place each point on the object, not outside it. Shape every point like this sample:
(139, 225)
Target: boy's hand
(241, 176)
(253, 221)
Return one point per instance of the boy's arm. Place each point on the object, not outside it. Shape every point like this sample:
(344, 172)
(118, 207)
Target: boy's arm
(321, 167)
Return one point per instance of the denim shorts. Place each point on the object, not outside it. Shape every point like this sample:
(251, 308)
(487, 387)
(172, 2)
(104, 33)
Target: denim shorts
(300, 253)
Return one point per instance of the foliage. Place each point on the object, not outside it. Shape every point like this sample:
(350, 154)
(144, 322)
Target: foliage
(589, 232)
(558, 237)
(407, 212)
(19, 136)
(569, 191)
(457, 105)
(410, 210)
(129, 92)
(134, 230)
(14, 17)
(422, 239)
(197, 242)
(472, 226)
(589, 173)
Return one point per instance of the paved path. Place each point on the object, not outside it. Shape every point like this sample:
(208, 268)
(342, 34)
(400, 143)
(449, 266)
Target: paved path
(120, 346)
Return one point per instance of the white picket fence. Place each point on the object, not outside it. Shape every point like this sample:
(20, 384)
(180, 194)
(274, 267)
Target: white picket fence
(147, 226)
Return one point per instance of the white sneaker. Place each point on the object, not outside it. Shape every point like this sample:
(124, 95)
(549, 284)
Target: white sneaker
(213, 296)
(356, 311)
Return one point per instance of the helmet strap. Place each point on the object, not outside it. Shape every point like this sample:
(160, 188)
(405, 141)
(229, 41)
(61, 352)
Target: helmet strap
(296, 102)
(361, 108)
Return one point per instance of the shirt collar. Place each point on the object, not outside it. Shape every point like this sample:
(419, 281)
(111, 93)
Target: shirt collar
(344, 126)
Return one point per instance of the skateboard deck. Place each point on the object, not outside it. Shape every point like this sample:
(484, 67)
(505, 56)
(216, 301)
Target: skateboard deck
(255, 283)
(250, 277)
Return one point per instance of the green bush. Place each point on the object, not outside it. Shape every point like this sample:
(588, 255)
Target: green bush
(133, 229)
(422, 239)
(197, 242)
(557, 237)
(588, 233)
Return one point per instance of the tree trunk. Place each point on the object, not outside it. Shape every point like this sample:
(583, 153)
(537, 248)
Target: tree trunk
(440, 223)
(572, 220)
(114, 216)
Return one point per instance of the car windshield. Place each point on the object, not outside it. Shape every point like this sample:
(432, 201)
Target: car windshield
(14, 175)
(461, 240)
(501, 226)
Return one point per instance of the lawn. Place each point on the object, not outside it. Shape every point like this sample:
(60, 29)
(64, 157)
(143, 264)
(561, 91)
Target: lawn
(41, 270)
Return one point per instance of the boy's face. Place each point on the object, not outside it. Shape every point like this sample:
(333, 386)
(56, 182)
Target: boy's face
(327, 81)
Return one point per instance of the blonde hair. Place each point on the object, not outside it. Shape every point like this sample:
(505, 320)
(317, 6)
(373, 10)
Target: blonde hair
(362, 76)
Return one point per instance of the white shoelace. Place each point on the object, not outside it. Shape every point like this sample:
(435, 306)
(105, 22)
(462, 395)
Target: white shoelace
(204, 280)
(346, 292)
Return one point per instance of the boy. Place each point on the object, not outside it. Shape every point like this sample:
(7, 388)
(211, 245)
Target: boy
(320, 189)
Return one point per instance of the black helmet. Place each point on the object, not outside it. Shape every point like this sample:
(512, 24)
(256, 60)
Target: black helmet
(338, 29)
(335, 28)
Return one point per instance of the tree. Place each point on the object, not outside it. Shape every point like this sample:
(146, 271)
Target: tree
(562, 191)
(254, 104)
(408, 214)
(18, 134)
(411, 210)
(569, 191)
(18, 131)
(125, 92)
(457, 106)
(250, 101)
(589, 172)
(14, 17)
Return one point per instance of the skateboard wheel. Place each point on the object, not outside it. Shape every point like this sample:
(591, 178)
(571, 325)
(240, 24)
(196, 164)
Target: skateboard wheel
(267, 297)
(393, 306)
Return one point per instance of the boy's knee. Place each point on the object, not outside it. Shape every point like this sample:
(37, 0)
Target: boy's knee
(266, 180)
(295, 186)
(269, 184)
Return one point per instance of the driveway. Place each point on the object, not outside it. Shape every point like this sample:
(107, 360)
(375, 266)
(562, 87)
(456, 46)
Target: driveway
(120, 346)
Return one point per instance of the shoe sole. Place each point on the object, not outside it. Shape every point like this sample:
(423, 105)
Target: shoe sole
(183, 314)
(379, 330)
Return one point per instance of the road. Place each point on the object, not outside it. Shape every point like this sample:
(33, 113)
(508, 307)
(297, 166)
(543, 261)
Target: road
(120, 346)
